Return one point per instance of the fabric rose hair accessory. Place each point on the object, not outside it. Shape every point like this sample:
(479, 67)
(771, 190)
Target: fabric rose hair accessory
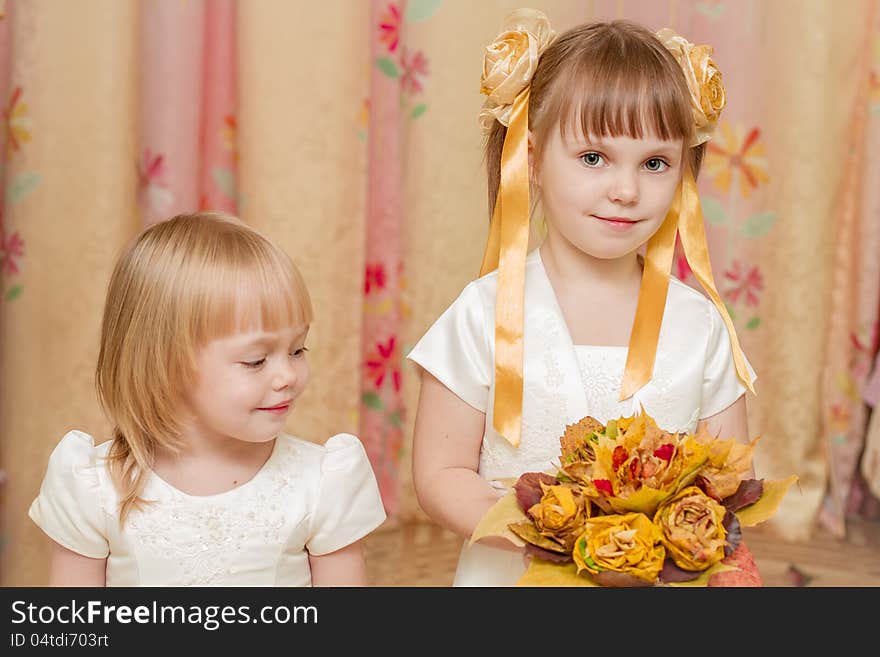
(703, 79)
(510, 61)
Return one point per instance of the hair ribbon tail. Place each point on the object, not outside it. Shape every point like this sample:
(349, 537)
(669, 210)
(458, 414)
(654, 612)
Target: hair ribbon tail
(506, 249)
(642, 351)
(693, 239)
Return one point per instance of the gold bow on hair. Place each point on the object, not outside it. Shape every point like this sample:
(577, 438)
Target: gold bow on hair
(508, 65)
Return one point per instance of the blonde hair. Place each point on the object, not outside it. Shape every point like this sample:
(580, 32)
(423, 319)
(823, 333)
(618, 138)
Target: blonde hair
(180, 284)
(605, 79)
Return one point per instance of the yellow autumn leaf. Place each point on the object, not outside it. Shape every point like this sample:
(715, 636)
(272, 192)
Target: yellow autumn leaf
(645, 500)
(718, 449)
(547, 573)
(635, 432)
(724, 475)
(495, 523)
(770, 500)
(624, 422)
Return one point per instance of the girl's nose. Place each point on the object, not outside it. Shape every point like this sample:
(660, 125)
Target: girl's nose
(285, 375)
(624, 188)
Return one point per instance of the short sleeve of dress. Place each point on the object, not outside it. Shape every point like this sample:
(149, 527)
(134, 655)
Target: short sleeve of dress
(348, 504)
(456, 349)
(68, 507)
(721, 384)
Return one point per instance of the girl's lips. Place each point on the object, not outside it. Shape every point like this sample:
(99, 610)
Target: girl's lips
(616, 223)
(277, 410)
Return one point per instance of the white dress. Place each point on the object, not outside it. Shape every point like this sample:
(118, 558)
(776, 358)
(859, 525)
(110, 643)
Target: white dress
(694, 378)
(306, 499)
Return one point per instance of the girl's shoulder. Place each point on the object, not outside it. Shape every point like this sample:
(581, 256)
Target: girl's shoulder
(688, 308)
(482, 292)
(340, 451)
(77, 453)
(76, 496)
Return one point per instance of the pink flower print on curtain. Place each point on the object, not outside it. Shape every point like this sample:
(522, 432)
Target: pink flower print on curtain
(17, 125)
(389, 25)
(17, 183)
(171, 107)
(189, 155)
(398, 79)
(381, 410)
(219, 165)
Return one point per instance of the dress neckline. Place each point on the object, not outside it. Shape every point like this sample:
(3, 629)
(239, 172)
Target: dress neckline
(536, 256)
(258, 474)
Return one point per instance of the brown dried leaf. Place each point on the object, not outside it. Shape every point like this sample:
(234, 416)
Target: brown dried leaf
(528, 488)
(530, 534)
(734, 532)
(575, 433)
(672, 573)
(575, 443)
(547, 555)
(748, 492)
(706, 486)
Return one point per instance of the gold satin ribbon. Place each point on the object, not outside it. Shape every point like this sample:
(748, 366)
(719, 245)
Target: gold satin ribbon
(686, 215)
(506, 250)
(642, 349)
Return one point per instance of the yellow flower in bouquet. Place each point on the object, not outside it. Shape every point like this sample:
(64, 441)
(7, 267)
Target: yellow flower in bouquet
(691, 526)
(559, 513)
(555, 520)
(622, 543)
(631, 504)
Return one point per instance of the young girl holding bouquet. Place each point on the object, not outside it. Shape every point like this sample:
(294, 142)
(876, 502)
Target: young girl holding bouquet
(202, 358)
(604, 127)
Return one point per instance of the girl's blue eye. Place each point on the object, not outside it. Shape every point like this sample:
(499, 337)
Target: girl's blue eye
(254, 364)
(655, 164)
(591, 159)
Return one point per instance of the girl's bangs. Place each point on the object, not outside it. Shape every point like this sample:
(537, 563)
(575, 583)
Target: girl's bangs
(257, 295)
(619, 97)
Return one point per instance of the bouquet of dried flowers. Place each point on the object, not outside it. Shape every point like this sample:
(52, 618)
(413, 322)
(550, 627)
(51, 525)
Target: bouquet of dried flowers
(631, 504)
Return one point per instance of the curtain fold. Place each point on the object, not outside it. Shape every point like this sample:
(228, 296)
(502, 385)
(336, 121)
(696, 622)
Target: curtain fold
(381, 411)
(70, 182)
(172, 78)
